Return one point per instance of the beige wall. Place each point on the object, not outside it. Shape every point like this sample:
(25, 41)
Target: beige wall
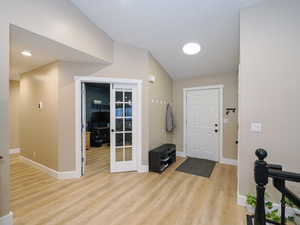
(230, 82)
(66, 111)
(161, 90)
(14, 95)
(129, 62)
(38, 127)
(57, 20)
(269, 87)
(61, 21)
(4, 118)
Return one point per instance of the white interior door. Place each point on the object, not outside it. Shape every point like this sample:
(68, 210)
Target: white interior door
(83, 128)
(123, 128)
(203, 123)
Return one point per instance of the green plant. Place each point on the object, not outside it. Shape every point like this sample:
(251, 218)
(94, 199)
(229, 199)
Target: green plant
(290, 203)
(272, 214)
(291, 218)
(251, 200)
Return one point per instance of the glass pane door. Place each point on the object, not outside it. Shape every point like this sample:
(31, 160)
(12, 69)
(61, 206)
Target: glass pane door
(122, 138)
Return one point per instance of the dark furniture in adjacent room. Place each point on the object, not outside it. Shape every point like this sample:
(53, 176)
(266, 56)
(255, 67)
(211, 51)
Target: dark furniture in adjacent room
(100, 136)
(162, 157)
(100, 130)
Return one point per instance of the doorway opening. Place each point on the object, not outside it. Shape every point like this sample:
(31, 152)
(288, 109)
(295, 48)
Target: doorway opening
(108, 128)
(97, 120)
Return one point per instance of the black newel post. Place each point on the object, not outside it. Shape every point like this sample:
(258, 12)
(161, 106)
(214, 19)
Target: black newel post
(261, 179)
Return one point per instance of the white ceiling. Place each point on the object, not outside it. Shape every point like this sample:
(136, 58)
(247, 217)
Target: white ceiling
(164, 26)
(44, 51)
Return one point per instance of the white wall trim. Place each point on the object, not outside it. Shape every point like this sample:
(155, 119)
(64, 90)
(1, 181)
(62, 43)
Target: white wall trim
(108, 80)
(228, 161)
(181, 154)
(221, 88)
(39, 166)
(241, 200)
(14, 151)
(68, 175)
(51, 172)
(7, 219)
(143, 169)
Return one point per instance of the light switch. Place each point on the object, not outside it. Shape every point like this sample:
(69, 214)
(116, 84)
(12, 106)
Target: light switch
(40, 105)
(256, 127)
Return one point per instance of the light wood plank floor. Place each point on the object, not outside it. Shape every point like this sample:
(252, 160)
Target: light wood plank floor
(173, 198)
(97, 160)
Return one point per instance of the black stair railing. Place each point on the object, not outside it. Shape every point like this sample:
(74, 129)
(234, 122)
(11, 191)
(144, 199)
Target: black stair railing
(262, 172)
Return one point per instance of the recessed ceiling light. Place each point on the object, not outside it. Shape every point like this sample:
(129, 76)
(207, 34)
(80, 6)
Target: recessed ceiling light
(26, 53)
(191, 48)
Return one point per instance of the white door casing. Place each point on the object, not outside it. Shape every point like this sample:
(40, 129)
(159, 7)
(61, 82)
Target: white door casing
(203, 123)
(78, 118)
(83, 128)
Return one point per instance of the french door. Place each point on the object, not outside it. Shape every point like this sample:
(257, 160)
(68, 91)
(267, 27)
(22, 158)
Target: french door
(123, 128)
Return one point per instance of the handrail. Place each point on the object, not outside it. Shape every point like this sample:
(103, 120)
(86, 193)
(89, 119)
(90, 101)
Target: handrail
(282, 175)
(262, 172)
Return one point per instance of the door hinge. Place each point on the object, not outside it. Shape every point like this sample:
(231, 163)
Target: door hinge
(82, 160)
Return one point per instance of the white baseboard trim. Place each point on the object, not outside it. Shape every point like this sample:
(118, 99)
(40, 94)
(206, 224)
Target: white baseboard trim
(143, 169)
(241, 200)
(14, 151)
(68, 175)
(181, 154)
(7, 219)
(39, 166)
(57, 174)
(227, 161)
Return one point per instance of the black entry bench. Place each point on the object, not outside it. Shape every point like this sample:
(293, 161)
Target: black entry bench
(162, 157)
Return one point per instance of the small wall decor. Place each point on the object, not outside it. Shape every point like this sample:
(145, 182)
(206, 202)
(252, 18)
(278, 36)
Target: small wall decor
(229, 110)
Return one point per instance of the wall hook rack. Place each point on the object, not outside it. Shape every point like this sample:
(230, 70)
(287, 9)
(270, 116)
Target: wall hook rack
(228, 110)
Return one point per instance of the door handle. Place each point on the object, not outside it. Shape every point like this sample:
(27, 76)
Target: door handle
(216, 131)
(216, 124)
(1, 157)
(112, 130)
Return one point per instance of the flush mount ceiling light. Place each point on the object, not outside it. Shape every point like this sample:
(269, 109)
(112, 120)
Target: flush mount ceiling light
(191, 48)
(26, 53)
